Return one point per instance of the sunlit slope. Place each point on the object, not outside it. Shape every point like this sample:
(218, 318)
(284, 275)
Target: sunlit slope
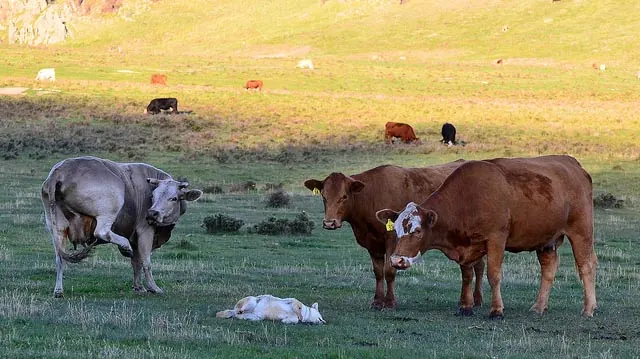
(567, 30)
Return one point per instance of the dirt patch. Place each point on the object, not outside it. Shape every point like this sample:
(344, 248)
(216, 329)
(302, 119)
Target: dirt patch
(13, 91)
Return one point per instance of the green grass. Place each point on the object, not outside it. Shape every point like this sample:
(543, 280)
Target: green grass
(100, 316)
(424, 63)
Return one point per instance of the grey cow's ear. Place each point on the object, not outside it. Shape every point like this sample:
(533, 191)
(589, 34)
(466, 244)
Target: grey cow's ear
(385, 215)
(153, 181)
(192, 195)
(313, 184)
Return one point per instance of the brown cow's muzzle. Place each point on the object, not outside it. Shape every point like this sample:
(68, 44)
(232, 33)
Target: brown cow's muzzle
(331, 224)
(401, 263)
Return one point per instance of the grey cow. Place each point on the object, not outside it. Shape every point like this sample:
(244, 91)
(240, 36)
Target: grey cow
(90, 201)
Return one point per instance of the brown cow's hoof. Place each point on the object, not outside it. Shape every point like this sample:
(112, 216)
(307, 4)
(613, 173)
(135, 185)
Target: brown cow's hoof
(390, 304)
(496, 316)
(465, 312)
(377, 304)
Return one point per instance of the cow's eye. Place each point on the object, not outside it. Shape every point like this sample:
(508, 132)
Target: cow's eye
(343, 197)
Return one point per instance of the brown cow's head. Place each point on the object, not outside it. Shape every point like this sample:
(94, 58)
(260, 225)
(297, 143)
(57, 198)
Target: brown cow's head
(409, 226)
(169, 201)
(337, 194)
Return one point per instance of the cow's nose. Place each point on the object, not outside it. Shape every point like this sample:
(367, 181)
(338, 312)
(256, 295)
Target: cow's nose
(152, 215)
(399, 262)
(331, 224)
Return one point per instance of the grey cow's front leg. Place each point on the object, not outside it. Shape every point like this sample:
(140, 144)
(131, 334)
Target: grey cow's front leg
(136, 263)
(145, 245)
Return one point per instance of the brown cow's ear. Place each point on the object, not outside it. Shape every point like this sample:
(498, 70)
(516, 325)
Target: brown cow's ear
(385, 215)
(356, 186)
(313, 184)
(192, 195)
(431, 218)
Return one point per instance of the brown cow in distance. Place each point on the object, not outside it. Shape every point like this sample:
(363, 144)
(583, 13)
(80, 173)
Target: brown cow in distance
(401, 130)
(159, 79)
(355, 199)
(253, 84)
(489, 207)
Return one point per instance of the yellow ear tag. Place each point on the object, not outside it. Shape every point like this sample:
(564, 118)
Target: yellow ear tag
(389, 225)
(316, 191)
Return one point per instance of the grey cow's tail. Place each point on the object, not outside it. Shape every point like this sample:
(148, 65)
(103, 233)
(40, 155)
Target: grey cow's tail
(58, 234)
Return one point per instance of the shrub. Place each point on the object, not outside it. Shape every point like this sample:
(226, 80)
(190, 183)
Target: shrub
(243, 187)
(212, 189)
(607, 200)
(278, 199)
(301, 225)
(221, 223)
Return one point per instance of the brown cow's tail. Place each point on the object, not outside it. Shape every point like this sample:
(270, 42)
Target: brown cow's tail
(51, 189)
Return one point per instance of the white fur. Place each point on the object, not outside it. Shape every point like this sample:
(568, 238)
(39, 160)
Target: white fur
(286, 310)
(46, 74)
(410, 213)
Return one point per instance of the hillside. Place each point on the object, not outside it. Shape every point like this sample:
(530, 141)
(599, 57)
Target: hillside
(376, 61)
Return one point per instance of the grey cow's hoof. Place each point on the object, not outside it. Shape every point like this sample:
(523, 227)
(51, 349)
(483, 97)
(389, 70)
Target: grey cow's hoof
(127, 252)
(58, 295)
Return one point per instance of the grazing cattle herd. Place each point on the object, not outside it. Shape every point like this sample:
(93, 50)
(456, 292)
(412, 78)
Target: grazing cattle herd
(472, 211)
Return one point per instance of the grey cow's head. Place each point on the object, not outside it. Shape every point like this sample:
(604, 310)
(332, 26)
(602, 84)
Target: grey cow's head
(168, 201)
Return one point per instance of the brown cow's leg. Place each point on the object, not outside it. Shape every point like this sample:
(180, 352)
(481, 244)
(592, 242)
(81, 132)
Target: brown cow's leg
(495, 256)
(378, 271)
(548, 259)
(390, 278)
(586, 261)
(478, 269)
(466, 295)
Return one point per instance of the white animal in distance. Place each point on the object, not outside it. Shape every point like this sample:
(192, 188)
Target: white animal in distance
(46, 74)
(305, 64)
(286, 310)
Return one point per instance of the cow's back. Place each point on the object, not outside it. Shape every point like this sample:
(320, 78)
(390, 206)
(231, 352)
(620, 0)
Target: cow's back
(393, 187)
(83, 185)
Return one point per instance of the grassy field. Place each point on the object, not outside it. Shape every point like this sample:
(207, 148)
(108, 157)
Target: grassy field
(424, 63)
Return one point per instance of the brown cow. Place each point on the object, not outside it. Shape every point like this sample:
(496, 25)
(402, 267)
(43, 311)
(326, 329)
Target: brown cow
(401, 130)
(519, 204)
(253, 84)
(356, 198)
(159, 79)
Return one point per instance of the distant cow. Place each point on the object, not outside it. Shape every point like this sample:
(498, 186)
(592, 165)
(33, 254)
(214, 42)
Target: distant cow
(158, 104)
(89, 201)
(159, 79)
(253, 84)
(401, 130)
(505, 204)
(46, 74)
(305, 64)
(448, 134)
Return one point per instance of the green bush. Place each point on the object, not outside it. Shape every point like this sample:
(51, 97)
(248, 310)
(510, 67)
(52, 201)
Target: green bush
(607, 200)
(301, 225)
(278, 199)
(221, 223)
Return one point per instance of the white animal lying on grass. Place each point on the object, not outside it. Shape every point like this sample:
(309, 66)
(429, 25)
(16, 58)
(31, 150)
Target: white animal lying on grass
(286, 310)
